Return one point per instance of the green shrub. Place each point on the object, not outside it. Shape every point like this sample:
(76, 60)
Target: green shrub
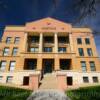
(10, 93)
(86, 93)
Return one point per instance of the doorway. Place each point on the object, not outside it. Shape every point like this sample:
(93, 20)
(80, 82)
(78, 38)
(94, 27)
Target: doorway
(48, 65)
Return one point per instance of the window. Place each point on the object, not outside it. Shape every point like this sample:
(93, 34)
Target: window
(95, 79)
(92, 66)
(3, 65)
(63, 39)
(89, 51)
(15, 50)
(34, 49)
(12, 65)
(49, 39)
(6, 51)
(1, 78)
(47, 49)
(85, 80)
(83, 64)
(34, 39)
(8, 40)
(62, 49)
(87, 41)
(17, 39)
(9, 79)
(79, 41)
(81, 52)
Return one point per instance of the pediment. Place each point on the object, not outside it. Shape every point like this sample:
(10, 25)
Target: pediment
(48, 25)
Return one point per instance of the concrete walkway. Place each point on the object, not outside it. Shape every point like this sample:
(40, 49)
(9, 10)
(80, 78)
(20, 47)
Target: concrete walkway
(48, 95)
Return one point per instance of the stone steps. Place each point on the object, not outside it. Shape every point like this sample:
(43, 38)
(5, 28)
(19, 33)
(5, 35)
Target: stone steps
(49, 82)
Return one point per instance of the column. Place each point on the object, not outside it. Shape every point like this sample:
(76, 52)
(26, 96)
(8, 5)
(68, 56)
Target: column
(25, 45)
(56, 42)
(41, 43)
(71, 43)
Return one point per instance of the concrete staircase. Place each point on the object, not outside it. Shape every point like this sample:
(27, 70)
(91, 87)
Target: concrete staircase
(49, 82)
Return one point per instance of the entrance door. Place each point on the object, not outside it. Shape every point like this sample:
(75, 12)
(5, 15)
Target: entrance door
(48, 65)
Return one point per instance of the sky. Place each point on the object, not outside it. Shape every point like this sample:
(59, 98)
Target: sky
(19, 12)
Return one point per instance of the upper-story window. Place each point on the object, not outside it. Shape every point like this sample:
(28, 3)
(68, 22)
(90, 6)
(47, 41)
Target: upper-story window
(81, 52)
(34, 39)
(89, 51)
(12, 65)
(87, 40)
(8, 40)
(17, 39)
(83, 64)
(3, 65)
(92, 66)
(6, 51)
(15, 51)
(63, 39)
(47, 49)
(34, 49)
(62, 49)
(48, 39)
(79, 41)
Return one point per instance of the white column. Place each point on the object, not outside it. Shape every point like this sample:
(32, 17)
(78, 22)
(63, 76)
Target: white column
(56, 42)
(41, 43)
(25, 45)
(71, 42)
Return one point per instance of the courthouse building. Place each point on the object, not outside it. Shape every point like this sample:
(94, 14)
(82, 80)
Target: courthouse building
(47, 48)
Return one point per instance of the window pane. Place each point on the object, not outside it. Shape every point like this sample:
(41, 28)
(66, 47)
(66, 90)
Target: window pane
(92, 66)
(35, 49)
(8, 40)
(12, 65)
(6, 51)
(62, 49)
(17, 39)
(83, 64)
(47, 49)
(89, 51)
(95, 79)
(15, 50)
(3, 65)
(85, 79)
(81, 53)
(87, 41)
(79, 41)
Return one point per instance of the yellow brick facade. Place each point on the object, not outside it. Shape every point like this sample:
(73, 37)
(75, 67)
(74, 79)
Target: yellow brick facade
(48, 27)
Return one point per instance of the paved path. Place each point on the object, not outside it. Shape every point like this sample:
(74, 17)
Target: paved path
(48, 95)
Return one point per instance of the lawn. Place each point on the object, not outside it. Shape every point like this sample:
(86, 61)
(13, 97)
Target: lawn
(10, 93)
(86, 93)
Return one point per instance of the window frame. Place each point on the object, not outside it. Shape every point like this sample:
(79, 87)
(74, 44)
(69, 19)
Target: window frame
(47, 49)
(86, 80)
(3, 66)
(8, 41)
(81, 51)
(15, 48)
(79, 41)
(16, 41)
(95, 81)
(93, 65)
(9, 81)
(89, 52)
(87, 41)
(62, 49)
(12, 68)
(6, 53)
(84, 67)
